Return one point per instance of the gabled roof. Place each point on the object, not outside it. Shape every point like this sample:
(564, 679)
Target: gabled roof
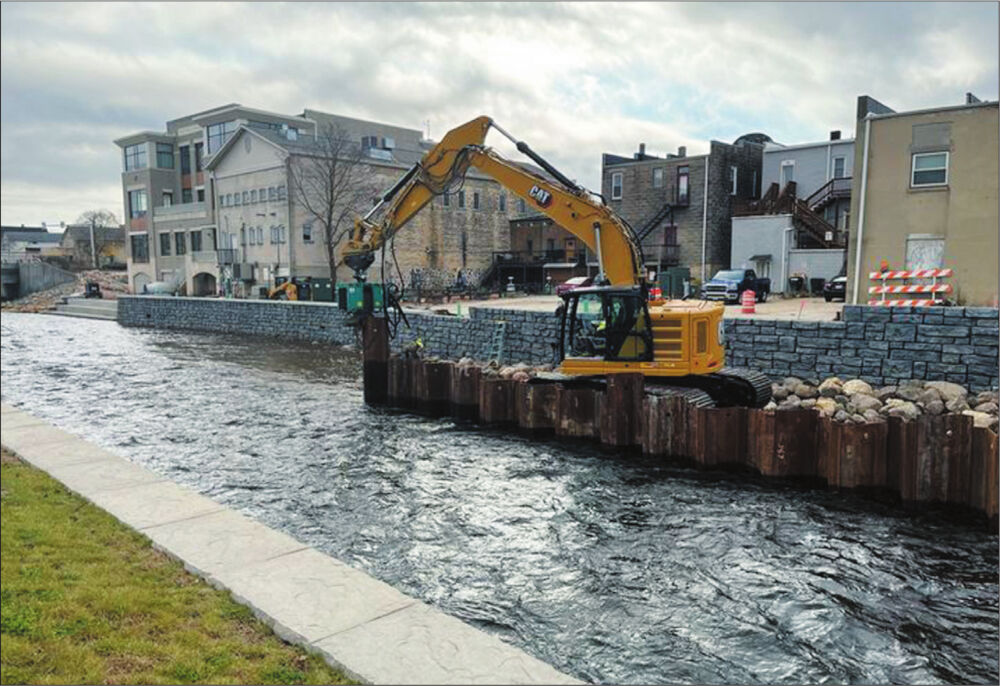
(213, 162)
(81, 232)
(17, 236)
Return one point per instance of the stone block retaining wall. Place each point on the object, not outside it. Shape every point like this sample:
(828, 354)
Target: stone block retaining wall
(880, 345)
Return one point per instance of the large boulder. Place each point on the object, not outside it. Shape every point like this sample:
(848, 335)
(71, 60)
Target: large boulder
(948, 390)
(808, 403)
(779, 392)
(912, 393)
(792, 402)
(831, 388)
(855, 386)
(987, 397)
(804, 390)
(791, 382)
(861, 402)
(957, 404)
(934, 407)
(841, 416)
(872, 416)
(886, 392)
(928, 396)
(980, 418)
(826, 406)
(988, 407)
(907, 410)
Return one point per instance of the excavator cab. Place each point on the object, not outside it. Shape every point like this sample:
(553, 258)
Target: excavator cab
(606, 323)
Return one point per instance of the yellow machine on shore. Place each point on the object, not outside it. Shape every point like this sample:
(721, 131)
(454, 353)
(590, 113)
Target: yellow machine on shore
(679, 341)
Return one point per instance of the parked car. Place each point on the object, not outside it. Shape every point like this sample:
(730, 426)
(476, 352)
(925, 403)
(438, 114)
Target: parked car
(574, 283)
(835, 288)
(728, 285)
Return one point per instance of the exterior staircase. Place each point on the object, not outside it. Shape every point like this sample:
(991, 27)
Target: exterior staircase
(88, 308)
(812, 227)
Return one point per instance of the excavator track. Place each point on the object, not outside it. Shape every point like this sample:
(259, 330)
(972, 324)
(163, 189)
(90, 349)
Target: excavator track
(693, 396)
(731, 387)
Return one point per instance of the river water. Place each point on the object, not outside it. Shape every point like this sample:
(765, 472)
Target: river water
(611, 568)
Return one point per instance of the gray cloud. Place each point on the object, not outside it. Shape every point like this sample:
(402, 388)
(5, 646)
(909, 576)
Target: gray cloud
(575, 79)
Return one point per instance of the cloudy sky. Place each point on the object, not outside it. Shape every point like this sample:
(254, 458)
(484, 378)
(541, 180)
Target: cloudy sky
(574, 80)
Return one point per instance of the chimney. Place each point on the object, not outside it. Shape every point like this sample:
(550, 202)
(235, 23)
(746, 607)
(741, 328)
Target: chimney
(682, 151)
(835, 135)
(642, 150)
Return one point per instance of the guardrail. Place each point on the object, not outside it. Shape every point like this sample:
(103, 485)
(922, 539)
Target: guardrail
(935, 289)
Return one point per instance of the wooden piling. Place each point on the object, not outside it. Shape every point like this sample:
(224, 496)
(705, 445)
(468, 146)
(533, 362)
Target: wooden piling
(433, 387)
(375, 354)
(901, 458)
(717, 435)
(782, 443)
(465, 392)
(536, 406)
(621, 414)
(578, 409)
(852, 455)
(658, 424)
(496, 400)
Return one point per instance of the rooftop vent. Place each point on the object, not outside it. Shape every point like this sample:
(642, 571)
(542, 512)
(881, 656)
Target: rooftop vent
(835, 135)
(682, 151)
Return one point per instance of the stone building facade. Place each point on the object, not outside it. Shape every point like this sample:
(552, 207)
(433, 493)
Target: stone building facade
(689, 220)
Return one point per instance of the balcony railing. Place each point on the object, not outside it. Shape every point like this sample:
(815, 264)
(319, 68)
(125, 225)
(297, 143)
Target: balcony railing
(182, 210)
(831, 190)
(205, 256)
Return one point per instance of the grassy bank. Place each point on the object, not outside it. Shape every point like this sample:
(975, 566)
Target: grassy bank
(87, 600)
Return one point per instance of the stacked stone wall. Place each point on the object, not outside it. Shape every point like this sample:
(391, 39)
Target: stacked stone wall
(881, 346)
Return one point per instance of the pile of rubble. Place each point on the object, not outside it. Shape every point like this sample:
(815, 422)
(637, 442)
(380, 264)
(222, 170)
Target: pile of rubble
(856, 401)
(112, 284)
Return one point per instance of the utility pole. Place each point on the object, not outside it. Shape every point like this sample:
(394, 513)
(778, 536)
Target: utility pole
(93, 245)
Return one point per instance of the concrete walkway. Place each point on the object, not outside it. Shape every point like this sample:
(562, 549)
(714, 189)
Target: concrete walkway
(358, 624)
(94, 308)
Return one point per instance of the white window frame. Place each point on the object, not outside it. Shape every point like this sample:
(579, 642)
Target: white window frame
(168, 198)
(620, 179)
(658, 176)
(733, 176)
(781, 169)
(833, 169)
(913, 168)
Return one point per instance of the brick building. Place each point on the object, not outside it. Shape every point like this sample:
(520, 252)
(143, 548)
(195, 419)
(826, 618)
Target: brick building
(681, 205)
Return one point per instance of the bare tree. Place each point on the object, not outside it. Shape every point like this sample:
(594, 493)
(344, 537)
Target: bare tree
(333, 184)
(103, 222)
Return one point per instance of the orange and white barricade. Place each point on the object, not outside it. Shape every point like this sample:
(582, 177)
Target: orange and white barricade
(934, 289)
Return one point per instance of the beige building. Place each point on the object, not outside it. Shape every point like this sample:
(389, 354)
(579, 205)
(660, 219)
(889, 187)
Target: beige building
(925, 195)
(210, 204)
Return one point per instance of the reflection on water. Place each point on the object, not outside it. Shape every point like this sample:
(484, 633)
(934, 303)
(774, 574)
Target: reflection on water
(611, 568)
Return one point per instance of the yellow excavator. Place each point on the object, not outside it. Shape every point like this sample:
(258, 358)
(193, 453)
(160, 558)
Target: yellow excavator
(610, 327)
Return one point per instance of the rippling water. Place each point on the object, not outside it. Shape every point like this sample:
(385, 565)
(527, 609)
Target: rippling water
(613, 569)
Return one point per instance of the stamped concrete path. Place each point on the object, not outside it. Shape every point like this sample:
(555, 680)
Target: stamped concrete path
(358, 624)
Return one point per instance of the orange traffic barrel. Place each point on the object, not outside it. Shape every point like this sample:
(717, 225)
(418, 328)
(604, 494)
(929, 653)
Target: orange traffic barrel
(749, 299)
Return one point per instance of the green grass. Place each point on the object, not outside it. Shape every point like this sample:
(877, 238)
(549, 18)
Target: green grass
(85, 600)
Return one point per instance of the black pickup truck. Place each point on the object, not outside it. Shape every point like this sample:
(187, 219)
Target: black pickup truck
(728, 285)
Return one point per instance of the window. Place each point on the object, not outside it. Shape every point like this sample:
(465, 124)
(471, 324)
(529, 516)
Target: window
(446, 199)
(243, 237)
(229, 200)
(236, 199)
(135, 157)
(164, 156)
(281, 193)
(168, 198)
(683, 183)
(522, 207)
(253, 196)
(180, 242)
(503, 202)
(164, 245)
(246, 197)
(929, 169)
(253, 236)
(475, 200)
(260, 235)
(185, 152)
(461, 199)
(262, 195)
(196, 241)
(137, 203)
(140, 248)
(222, 200)
(616, 186)
(658, 177)
(218, 134)
(732, 180)
(186, 196)
(307, 232)
(272, 193)
(200, 194)
(197, 156)
(839, 167)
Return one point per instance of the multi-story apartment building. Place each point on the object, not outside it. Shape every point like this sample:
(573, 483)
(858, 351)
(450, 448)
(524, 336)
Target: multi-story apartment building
(681, 205)
(211, 204)
(821, 172)
(925, 196)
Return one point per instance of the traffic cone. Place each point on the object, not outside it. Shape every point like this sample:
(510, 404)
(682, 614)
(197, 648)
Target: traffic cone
(749, 302)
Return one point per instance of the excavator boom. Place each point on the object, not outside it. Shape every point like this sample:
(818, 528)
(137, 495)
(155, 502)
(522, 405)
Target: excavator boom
(611, 328)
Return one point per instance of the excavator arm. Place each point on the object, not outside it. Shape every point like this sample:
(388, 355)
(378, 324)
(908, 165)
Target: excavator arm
(568, 205)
